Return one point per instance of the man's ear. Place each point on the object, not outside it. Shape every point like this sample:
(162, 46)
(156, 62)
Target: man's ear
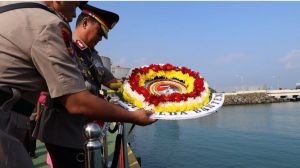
(58, 2)
(84, 22)
(55, 4)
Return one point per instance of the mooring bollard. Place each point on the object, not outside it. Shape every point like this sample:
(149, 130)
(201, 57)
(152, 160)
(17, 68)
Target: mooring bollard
(93, 156)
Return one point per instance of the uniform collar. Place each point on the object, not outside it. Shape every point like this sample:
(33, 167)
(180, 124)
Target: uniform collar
(79, 43)
(60, 15)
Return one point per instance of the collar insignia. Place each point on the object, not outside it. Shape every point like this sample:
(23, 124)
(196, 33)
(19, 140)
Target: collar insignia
(81, 45)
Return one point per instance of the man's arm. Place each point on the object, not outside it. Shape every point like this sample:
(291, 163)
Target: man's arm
(91, 106)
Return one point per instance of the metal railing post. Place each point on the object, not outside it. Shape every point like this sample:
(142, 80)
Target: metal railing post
(93, 156)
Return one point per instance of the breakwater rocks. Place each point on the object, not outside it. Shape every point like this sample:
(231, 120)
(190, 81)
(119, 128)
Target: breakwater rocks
(250, 98)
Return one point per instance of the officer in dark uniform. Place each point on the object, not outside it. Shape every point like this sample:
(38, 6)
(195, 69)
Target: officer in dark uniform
(62, 132)
(36, 54)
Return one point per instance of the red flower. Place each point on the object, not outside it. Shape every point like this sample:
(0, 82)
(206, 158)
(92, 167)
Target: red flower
(175, 97)
(198, 82)
(167, 67)
(194, 74)
(135, 71)
(185, 70)
(134, 81)
(193, 94)
(153, 100)
(144, 92)
(155, 67)
(184, 97)
(144, 70)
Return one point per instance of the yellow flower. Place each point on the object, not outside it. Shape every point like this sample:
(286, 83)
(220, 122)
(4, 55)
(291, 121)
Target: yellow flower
(138, 104)
(142, 80)
(160, 74)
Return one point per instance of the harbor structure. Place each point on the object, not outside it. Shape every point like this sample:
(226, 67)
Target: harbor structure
(261, 96)
(106, 62)
(119, 71)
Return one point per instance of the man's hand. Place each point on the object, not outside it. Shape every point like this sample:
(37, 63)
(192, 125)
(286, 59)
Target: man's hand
(93, 107)
(142, 117)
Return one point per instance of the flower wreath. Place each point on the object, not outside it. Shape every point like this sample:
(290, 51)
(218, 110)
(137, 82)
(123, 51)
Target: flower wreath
(192, 91)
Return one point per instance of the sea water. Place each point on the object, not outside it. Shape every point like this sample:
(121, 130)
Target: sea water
(259, 136)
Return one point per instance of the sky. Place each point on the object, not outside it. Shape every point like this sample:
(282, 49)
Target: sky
(234, 45)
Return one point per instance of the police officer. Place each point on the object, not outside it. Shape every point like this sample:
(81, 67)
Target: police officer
(36, 54)
(64, 139)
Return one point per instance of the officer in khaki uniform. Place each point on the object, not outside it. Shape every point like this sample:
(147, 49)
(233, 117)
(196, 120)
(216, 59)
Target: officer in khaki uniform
(36, 54)
(28, 40)
(64, 139)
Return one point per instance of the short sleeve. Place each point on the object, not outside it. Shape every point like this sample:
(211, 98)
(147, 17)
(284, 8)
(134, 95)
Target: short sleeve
(54, 57)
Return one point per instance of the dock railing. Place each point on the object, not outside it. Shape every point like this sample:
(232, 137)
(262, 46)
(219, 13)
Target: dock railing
(96, 152)
(93, 154)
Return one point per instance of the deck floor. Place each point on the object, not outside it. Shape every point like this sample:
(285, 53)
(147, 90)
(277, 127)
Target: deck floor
(41, 153)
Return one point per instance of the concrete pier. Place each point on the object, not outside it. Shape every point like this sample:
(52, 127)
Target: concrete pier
(261, 96)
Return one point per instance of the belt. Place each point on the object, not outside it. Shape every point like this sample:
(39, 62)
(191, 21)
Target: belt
(21, 106)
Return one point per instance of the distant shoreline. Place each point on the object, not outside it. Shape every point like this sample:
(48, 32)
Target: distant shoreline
(260, 97)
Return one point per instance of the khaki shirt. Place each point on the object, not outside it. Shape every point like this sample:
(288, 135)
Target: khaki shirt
(56, 125)
(36, 54)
